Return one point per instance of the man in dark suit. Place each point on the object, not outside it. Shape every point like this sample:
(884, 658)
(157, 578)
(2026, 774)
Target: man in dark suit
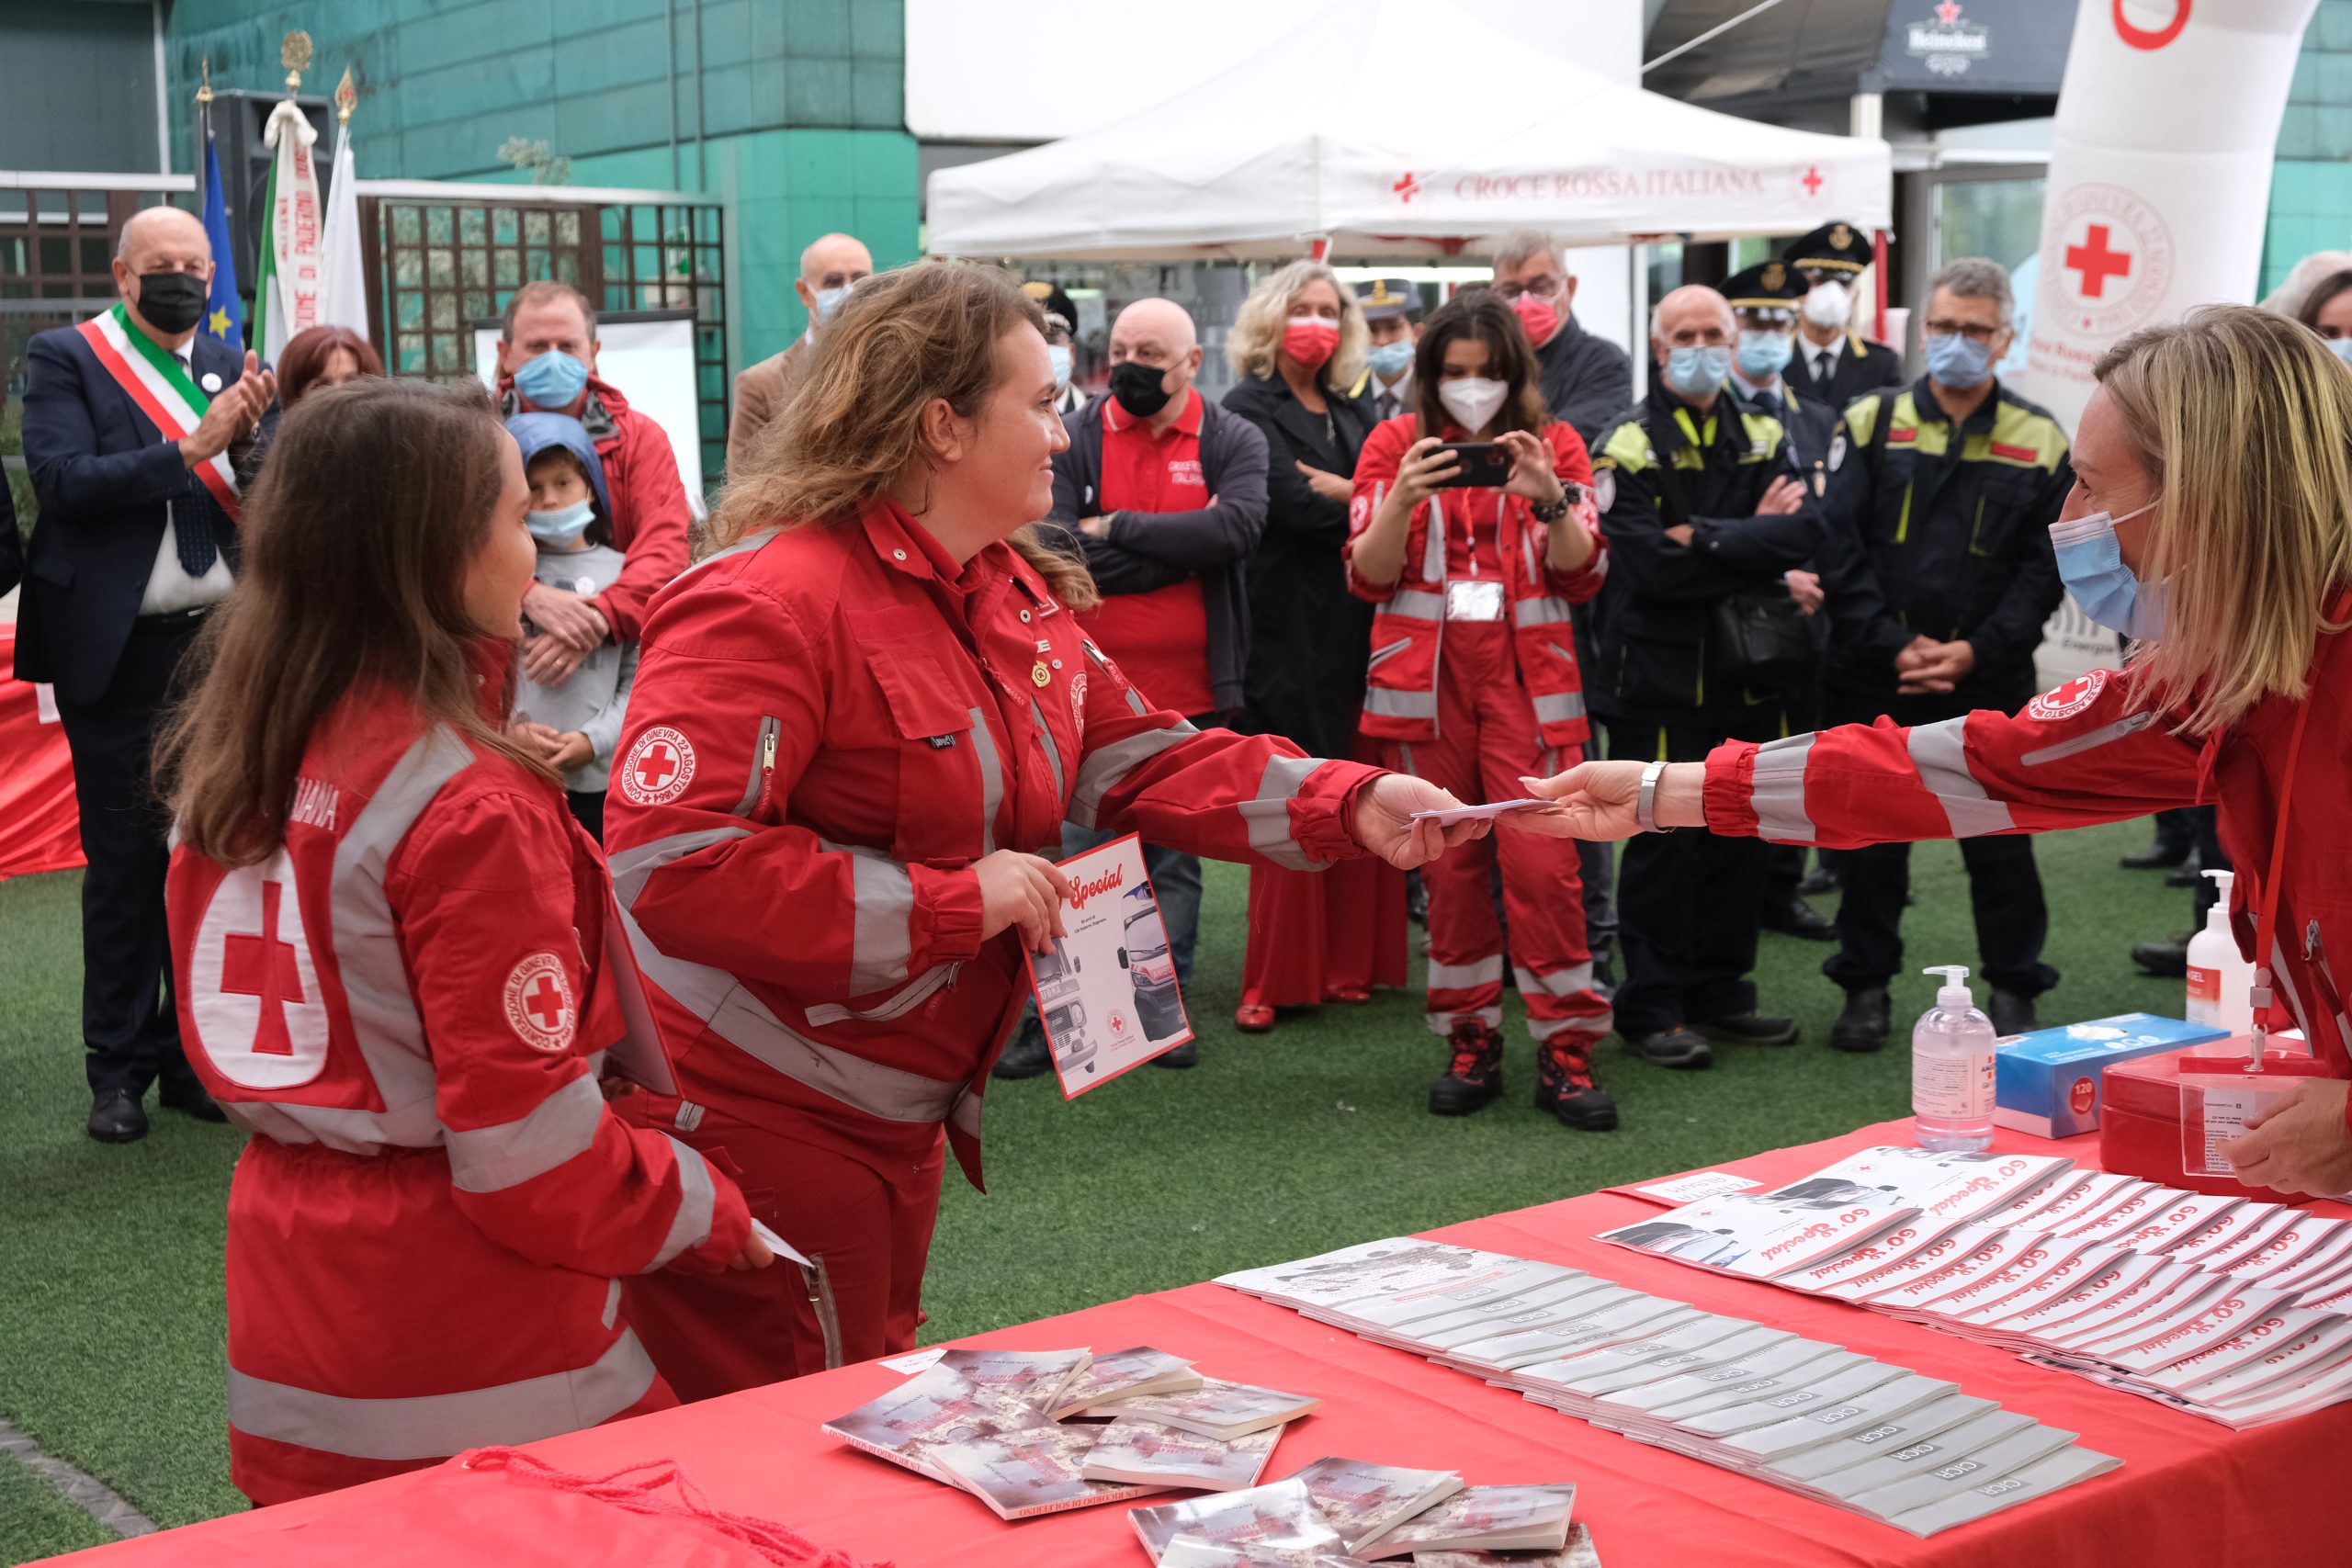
(132, 424)
(1835, 364)
(12, 543)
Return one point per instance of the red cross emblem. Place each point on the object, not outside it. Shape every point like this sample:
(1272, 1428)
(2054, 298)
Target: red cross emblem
(264, 966)
(2069, 699)
(2097, 261)
(658, 768)
(1812, 182)
(539, 1003)
(1949, 12)
(1406, 187)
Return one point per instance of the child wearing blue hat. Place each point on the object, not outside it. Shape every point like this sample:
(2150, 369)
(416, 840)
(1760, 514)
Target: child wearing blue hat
(575, 718)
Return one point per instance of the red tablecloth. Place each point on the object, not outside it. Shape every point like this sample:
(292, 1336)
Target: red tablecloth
(2189, 1493)
(38, 829)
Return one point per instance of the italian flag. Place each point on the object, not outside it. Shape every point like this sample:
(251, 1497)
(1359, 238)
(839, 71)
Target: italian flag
(287, 294)
(160, 386)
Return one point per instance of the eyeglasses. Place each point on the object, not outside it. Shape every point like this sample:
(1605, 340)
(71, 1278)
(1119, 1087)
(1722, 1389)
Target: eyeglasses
(1973, 332)
(1547, 290)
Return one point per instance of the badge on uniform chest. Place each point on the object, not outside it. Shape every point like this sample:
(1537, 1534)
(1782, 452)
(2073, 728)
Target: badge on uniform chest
(1474, 599)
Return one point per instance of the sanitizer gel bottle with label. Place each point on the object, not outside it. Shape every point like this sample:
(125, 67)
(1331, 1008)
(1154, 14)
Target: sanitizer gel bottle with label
(1951, 1067)
(2220, 980)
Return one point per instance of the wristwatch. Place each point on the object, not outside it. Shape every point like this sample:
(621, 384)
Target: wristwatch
(1549, 511)
(1645, 802)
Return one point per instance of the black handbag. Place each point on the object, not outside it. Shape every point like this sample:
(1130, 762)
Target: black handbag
(1760, 640)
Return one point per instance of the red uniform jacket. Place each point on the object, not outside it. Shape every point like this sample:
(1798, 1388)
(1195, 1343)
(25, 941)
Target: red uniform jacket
(1409, 627)
(650, 511)
(408, 1006)
(830, 725)
(2093, 750)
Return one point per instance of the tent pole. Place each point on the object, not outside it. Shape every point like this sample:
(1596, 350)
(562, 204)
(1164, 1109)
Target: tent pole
(1878, 268)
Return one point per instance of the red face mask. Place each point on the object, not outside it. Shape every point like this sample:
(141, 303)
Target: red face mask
(1310, 341)
(1538, 317)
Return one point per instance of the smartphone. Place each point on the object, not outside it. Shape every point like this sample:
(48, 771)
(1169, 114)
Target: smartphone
(1485, 465)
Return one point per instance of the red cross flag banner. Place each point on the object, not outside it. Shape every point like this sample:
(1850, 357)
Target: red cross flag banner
(2159, 179)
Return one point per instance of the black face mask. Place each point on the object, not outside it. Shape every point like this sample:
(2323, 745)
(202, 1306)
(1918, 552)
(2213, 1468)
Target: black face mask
(1138, 389)
(172, 302)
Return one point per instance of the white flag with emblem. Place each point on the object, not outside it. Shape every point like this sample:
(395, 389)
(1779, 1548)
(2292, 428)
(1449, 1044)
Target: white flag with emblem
(345, 304)
(293, 270)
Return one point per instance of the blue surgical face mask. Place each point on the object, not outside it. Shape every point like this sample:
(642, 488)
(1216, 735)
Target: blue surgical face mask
(2090, 563)
(1059, 355)
(1390, 360)
(1957, 360)
(1696, 369)
(1762, 354)
(2343, 348)
(829, 300)
(563, 524)
(552, 381)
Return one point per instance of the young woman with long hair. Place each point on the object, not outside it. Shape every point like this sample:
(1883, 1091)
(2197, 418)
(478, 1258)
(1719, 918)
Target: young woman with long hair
(851, 727)
(399, 969)
(2211, 523)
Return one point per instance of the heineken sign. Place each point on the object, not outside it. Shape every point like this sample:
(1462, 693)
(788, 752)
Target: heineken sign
(1976, 45)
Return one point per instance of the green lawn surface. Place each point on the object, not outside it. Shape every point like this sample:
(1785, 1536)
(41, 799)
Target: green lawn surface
(111, 1320)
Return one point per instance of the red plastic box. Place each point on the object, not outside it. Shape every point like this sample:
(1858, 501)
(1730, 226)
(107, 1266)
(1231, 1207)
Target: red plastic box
(2139, 1132)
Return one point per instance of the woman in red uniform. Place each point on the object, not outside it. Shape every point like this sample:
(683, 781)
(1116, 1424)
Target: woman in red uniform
(850, 727)
(400, 969)
(2211, 520)
(1474, 685)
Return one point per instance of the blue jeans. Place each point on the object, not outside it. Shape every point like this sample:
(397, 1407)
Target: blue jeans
(1175, 877)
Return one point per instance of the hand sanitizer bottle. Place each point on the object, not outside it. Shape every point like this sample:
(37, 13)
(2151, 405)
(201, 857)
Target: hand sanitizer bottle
(1951, 1067)
(2219, 979)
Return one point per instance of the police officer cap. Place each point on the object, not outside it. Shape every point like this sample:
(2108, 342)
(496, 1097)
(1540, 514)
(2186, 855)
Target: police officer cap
(1833, 247)
(1769, 290)
(1057, 306)
(1386, 297)
(534, 433)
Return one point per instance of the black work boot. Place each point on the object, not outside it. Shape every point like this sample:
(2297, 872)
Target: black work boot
(2012, 1013)
(1863, 1026)
(1475, 1075)
(1564, 1087)
(1027, 1056)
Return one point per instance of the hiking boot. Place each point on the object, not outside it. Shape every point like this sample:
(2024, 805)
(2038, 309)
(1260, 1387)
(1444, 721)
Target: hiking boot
(1564, 1087)
(1476, 1074)
(1791, 916)
(1748, 1029)
(1675, 1047)
(2011, 1013)
(1027, 1057)
(2165, 958)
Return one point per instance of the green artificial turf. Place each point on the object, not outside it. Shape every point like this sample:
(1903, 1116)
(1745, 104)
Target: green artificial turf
(1276, 1146)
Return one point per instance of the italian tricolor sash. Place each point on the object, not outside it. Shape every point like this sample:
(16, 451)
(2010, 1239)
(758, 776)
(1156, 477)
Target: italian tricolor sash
(157, 383)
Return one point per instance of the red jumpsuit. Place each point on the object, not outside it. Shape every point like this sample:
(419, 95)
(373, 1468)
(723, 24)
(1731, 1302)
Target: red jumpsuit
(408, 1006)
(2093, 750)
(830, 723)
(1473, 688)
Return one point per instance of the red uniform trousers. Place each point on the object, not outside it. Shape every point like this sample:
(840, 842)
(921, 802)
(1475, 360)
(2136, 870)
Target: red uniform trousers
(1487, 742)
(866, 1224)
(1315, 933)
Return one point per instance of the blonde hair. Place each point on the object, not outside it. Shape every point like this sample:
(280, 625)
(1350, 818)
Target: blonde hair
(2244, 421)
(901, 340)
(1257, 330)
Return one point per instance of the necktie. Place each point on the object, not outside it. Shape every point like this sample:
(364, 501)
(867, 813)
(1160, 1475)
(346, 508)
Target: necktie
(1385, 403)
(192, 526)
(1821, 371)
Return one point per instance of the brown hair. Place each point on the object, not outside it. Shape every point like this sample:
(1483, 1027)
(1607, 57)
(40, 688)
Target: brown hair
(542, 291)
(304, 359)
(902, 339)
(1479, 314)
(2322, 293)
(375, 497)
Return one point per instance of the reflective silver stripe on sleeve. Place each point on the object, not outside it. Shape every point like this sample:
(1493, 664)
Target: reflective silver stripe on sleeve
(897, 1004)
(1419, 604)
(561, 1127)
(1549, 610)
(965, 1114)
(1777, 792)
(1106, 766)
(437, 1425)
(2091, 740)
(1559, 983)
(882, 939)
(1269, 814)
(991, 779)
(1404, 758)
(1401, 705)
(2285, 989)
(743, 547)
(1433, 547)
(631, 866)
(1053, 752)
(1939, 753)
(690, 1226)
(1559, 707)
(1136, 704)
(1462, 976)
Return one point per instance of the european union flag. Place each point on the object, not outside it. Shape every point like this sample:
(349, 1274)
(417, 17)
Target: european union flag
(224, 314)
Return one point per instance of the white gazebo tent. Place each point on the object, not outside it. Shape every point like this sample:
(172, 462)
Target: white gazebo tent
(1408, 128)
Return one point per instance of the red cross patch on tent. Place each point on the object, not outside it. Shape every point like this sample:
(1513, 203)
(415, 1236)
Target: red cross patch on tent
(658, 768)
(539, 1004)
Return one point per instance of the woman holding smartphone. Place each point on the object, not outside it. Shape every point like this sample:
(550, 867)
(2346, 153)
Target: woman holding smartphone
(1473, 683)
